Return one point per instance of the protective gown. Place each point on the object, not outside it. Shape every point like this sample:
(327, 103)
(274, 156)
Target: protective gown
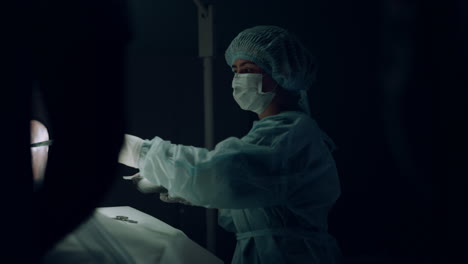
(274, 187)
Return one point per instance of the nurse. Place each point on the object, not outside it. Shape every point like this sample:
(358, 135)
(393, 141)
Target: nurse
(273, 187)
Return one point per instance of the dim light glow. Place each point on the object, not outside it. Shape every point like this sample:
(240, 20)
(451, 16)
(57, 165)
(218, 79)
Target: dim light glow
(39, 133)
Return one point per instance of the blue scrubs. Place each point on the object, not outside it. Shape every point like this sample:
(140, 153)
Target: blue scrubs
(274, 187)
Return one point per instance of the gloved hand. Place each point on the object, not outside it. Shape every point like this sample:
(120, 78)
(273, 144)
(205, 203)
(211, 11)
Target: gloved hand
(143, 185)
(130, 152)
(164, 196)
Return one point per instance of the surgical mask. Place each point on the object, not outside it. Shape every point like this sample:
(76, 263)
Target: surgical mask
(248, 92)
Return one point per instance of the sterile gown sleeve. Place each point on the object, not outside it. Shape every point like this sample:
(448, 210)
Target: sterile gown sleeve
(239, 173)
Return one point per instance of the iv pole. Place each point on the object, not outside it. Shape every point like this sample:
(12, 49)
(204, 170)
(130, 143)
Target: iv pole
(206, 52)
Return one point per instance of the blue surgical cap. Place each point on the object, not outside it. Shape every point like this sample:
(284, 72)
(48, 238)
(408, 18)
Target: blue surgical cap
(278, 53)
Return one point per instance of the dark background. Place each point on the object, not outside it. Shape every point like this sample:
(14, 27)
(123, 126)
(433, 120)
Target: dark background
(385, 69)
(391, 92)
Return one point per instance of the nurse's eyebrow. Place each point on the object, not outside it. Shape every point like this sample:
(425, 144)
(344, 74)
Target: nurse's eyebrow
(242, 64)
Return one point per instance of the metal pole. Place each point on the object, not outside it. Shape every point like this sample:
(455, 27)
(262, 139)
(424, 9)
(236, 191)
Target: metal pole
(208, 101)
(211, 214)
(206, 51)
(201, 7)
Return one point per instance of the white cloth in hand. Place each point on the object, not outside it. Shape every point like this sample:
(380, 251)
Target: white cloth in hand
(130, 152)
